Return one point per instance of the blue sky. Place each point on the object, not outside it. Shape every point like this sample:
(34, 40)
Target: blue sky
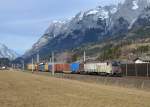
(22, 22)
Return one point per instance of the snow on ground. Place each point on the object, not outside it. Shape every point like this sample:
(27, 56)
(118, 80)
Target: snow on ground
(135, 5)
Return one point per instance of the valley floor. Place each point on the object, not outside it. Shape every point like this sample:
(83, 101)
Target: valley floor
(18, 89)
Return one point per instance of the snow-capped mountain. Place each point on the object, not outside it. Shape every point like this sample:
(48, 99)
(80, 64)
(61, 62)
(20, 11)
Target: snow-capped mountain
(130, 10)
(90, 26)
(55, 28)
(97, 18)
(5, 52)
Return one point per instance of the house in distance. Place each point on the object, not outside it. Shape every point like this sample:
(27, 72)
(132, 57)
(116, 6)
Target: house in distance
(145, 59)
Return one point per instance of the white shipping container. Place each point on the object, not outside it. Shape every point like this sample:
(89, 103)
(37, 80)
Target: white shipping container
(103, 68)
(98, 68)
(90, 67)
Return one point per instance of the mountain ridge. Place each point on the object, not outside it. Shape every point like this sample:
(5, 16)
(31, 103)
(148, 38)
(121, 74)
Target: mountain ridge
(93, 25)
(5, 52)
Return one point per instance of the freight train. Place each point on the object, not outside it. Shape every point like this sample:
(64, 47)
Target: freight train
(108, 69)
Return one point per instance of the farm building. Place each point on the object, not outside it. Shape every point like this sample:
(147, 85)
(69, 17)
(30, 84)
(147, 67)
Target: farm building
(145, 59)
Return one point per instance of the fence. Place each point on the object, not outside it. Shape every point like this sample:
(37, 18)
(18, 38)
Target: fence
(142, 70)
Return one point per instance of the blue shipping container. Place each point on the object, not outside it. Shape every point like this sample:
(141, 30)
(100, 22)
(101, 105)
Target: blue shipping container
(75, 67)
(42, 67)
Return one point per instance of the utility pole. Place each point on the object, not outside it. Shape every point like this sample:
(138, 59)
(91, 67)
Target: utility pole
(53, 61)
(50, 60)
(12, 66)
(84, 59)
(147, 69)
(23, 65)
(126, 69)
(32, 65)
(136, 72)
(38, 58)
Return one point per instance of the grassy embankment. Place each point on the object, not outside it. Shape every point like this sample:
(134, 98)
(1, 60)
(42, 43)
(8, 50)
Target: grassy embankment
(18, 89)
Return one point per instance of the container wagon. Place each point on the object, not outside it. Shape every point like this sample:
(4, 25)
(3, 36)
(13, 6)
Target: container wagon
(42, 67)
(62, 68)
(46, 67)
(50, 67)
(66, 68)
(99, 69)
(81, 69)
(104, 68)
(58, 68)
(90, 68)
(36, 67)
(75, 68)
(30, 67)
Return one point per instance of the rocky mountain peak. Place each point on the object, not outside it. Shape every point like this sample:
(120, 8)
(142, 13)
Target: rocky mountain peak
(90, 26)
(5, 52)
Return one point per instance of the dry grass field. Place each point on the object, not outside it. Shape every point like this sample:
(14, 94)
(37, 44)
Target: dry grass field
(18, 89)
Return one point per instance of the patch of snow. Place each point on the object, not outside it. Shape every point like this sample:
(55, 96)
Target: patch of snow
(56, 21)
(114, 10)
(131, 24)
(43, 40)
(104, 14)
(92, 12)
(81, 15)
(135, 4)
(5, 52)
(54, 35)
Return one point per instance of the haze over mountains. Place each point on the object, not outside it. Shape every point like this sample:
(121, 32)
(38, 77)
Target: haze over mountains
(94, 25)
